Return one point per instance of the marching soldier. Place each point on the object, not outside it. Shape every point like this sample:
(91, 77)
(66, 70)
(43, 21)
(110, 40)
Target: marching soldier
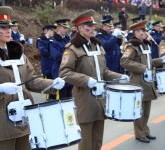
(104, 34)
(111, 40)
(83, 65)
(16, 35)
(162, 44)
(56, 47)
(15, 69)
(157, 37)
(137, 60)
(43, 47)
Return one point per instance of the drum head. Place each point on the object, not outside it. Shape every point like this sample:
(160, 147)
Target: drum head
(124, 87)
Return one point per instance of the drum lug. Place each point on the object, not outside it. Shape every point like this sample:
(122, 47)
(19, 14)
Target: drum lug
(36, 142)
(120, 114)
(113, 114)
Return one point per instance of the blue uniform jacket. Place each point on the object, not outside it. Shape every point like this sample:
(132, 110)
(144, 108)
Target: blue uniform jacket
(57, 47)
(112, 48)
(16, 37)
(157, 36)
(46, 62)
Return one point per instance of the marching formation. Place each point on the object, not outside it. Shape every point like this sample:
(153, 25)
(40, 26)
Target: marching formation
(90, 74)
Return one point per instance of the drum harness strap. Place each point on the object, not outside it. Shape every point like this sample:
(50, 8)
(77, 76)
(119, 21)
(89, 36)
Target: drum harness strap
(95, 54)
(15, 109)
(148, 74)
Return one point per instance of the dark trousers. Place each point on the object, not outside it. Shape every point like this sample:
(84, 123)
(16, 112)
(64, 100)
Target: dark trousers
(21, 143)
(140, 126)
(92, 135)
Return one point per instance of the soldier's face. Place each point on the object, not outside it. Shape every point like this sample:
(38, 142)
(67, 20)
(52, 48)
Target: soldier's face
(62, 30)
(140, 34)
(157, 27)
(108, 28)
(5, 34)
(87, 31)
(49, 33)
(15, 28)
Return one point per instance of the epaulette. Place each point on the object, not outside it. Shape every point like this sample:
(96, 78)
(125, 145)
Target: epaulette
(128, 44)
(68, 45)
(99, 33)
(50, 40)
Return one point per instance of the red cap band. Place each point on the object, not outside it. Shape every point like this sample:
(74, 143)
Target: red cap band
(85, 19)
(139, 26)
(4, 17)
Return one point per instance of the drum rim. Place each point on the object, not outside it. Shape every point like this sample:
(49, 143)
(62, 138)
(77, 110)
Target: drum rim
(160, 69)
(122, 90)
(122, 120)
(47, 103)
(60, 145)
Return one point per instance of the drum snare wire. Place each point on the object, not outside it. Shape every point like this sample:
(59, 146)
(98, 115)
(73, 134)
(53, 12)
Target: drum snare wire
(62, 113)
(108, 101)
(43, 128)
(134, 104)
(120, 105)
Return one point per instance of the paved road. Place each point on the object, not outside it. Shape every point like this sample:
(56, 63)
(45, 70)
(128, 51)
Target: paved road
(119, 135)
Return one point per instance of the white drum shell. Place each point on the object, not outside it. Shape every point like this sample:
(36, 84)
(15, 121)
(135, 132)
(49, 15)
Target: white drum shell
(55, 126)
(123, 105)
(160, 78)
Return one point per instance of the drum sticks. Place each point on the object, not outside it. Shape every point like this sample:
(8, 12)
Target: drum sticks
(30, 80)
(47, 88)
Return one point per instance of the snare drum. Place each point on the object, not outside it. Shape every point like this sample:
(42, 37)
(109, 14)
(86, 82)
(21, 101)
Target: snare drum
(52, 124)
(123, 102)
(160, 79)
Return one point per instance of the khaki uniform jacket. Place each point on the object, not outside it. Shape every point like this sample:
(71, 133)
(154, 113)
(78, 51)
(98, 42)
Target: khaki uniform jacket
(162, 49)
(136, 63)
(7, 128)
(78, 67)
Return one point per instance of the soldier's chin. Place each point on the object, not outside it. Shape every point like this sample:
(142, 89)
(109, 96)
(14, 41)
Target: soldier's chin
(93, 34)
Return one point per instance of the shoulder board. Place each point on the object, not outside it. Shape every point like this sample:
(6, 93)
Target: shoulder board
(68, 45)
(134, 47)
(50, 40)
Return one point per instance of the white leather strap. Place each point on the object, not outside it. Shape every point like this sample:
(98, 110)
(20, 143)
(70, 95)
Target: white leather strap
(10, 62)
(147, 53)
(15, 63)
(94, 54)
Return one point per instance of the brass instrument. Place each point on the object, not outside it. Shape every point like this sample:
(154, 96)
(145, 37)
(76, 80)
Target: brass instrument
(124, 42)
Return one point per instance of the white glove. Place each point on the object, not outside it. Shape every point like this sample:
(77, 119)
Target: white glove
(163, 59)
(91, 82)
(9, 88)
(58, 83)
(22, 38)
(117, 33)
(98, 89)
(124, 78)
